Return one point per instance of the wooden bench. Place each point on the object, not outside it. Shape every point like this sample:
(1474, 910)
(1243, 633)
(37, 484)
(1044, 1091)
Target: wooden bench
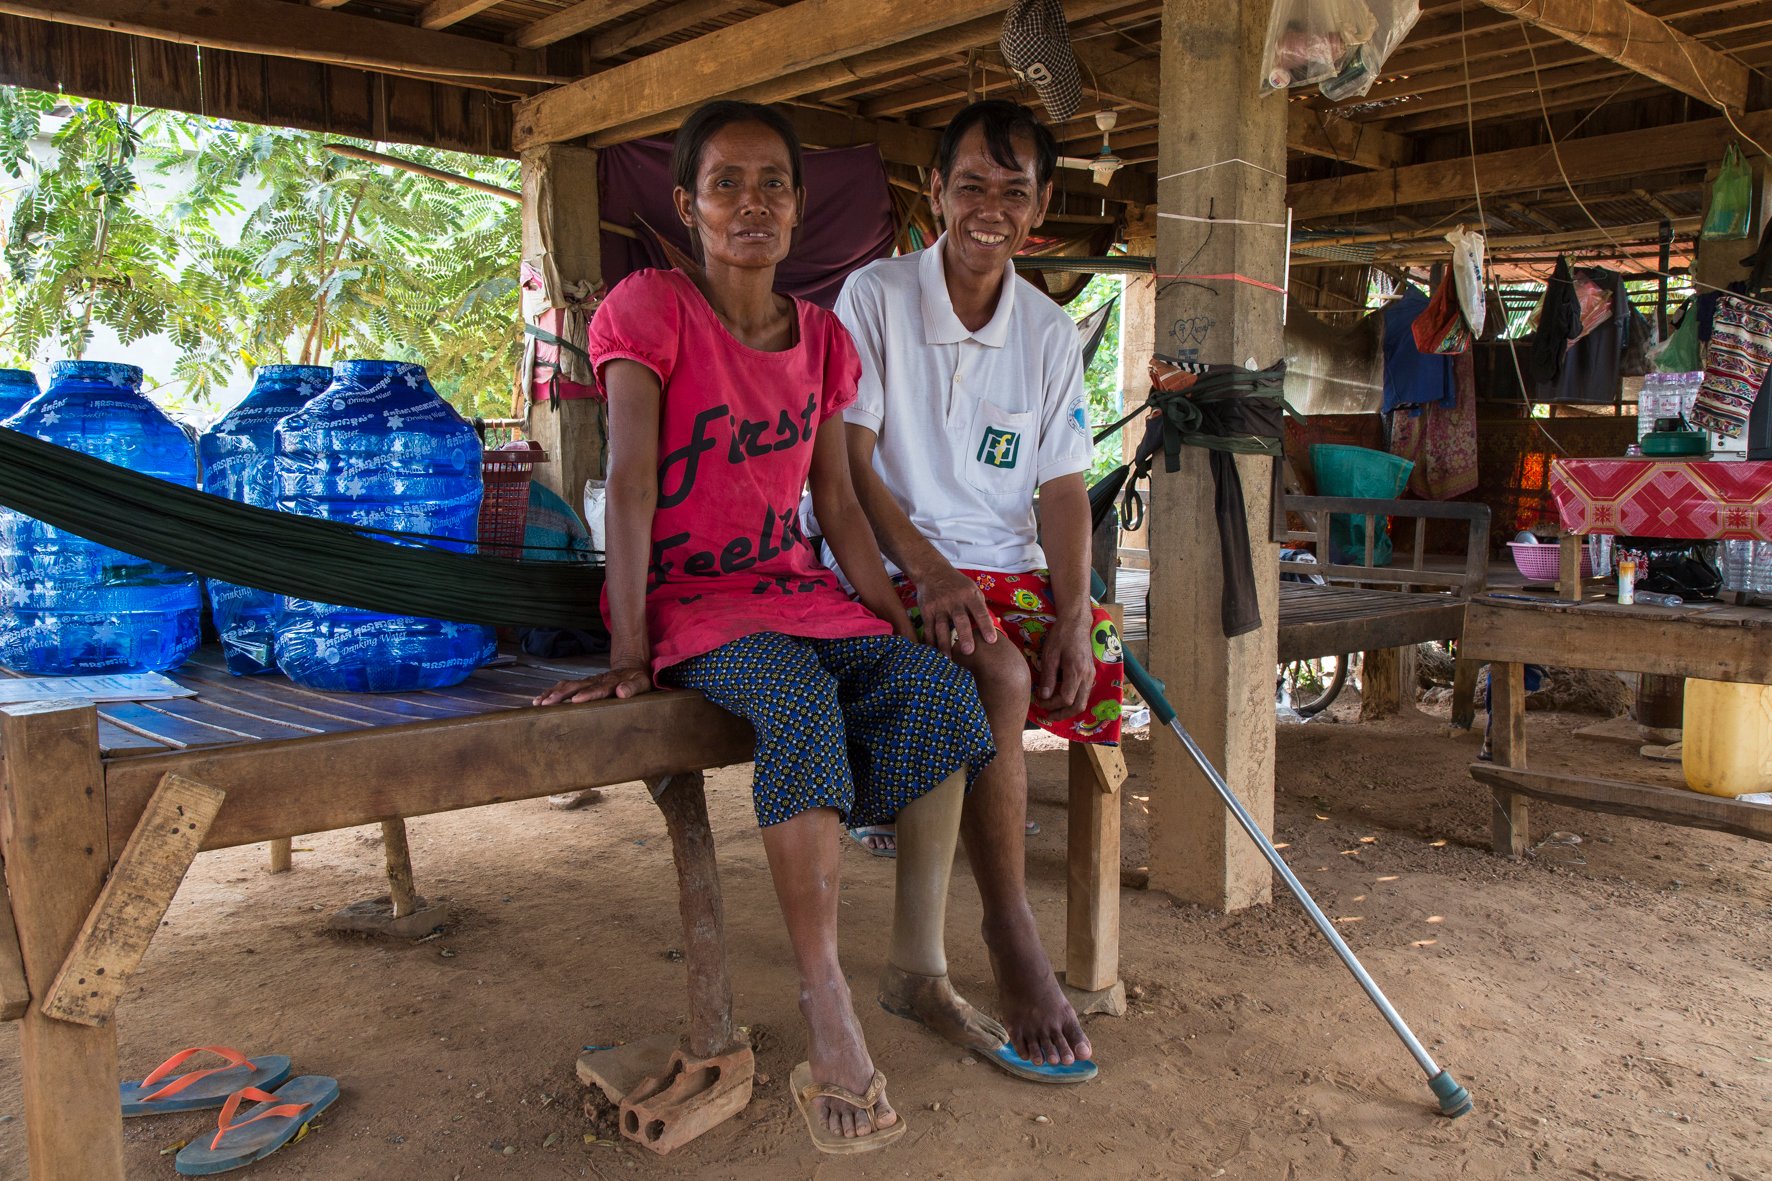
(1383, 611)
(92, 855)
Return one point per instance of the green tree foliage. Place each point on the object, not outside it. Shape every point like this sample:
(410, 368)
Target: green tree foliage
(1102, 379)
(253, 246)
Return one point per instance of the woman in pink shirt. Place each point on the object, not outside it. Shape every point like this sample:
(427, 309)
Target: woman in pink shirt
(725, 400)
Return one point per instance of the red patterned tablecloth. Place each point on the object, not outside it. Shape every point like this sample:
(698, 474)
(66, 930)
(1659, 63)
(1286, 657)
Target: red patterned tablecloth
(1698, 499)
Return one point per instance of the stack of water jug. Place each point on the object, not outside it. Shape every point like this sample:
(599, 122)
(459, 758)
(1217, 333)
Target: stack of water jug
(365, 442)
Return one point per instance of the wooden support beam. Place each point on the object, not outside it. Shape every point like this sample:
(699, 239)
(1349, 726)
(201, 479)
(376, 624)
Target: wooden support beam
(1624, 33)
(1122, 79)
(335, 781)
(136, 896)
(801, 36)
(562, 238)
(440, 14)
(1510, 820)
(685, 14)
(15, 994)
(1092, 926)
(1670, 805)
(569, 21)
(1597, 157)
(290, 30)
(1212, 111)
(402, 897)
(901, 143)
(897, 53)
(54, 840)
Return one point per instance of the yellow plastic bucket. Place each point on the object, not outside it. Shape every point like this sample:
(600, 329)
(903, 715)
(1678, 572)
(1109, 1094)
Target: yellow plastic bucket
(1728, 738)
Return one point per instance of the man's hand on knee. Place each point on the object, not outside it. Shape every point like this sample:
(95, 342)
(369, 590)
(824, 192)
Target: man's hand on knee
(954, 611)
(1067, 668)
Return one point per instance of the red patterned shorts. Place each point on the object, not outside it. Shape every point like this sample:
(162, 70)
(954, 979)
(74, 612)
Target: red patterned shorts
(1021, 606)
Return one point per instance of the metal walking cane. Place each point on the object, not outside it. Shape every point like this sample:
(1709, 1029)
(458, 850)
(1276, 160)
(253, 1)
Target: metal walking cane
(1454, 1099)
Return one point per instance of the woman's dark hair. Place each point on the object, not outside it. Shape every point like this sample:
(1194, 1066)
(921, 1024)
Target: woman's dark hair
(710, 119)
(1002, 121)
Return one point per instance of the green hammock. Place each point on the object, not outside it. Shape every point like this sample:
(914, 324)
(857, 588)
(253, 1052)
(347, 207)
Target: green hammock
(303, 557)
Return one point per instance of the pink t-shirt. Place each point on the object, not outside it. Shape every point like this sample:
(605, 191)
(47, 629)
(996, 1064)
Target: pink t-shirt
(735, 434)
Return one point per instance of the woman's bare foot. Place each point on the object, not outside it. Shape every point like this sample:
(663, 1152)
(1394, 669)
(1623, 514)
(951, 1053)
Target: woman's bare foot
(1041, 1022)
(838, 1054)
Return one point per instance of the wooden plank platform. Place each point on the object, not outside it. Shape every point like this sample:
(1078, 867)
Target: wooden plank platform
(1326, 620)
(1670, 805)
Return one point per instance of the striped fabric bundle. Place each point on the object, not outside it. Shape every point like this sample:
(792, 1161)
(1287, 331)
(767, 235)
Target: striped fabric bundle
(1735, 365)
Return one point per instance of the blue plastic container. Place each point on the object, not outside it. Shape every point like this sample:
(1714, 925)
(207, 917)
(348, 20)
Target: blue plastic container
(1372, 475)
(69, 606)
(379, 448)
(17, 386)
(237, 460)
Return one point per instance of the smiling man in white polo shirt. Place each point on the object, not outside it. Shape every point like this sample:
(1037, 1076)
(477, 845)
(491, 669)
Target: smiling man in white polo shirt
(971, 401)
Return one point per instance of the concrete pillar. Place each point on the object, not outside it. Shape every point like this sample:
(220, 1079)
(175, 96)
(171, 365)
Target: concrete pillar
(562, 239)
(1223, 690)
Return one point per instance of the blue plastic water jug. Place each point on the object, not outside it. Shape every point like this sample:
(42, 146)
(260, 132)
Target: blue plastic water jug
(17, 386)
(72, 606)
(379, 448)
(237, 460)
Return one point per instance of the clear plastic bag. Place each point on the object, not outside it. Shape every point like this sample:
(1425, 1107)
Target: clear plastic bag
(1342, 44)
(1467, 275)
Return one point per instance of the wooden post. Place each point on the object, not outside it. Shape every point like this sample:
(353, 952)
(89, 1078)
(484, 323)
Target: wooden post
(1464, 693)
(1092, 928)
(1138, 340)
(282, 855)
(401, 895)
(54, 840)
(1222, 146)
(15, 994)
(1510, 823)
(1387, 683)
(561, 239)
(683, 800)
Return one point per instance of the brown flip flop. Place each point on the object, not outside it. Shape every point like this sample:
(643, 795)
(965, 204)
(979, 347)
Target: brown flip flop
(825, 1140)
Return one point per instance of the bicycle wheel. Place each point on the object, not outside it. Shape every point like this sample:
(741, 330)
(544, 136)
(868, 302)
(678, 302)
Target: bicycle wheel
(1310, 686)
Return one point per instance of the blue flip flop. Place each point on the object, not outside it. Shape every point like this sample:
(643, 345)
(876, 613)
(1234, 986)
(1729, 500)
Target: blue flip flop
(275, 1120)
(1005, 1058)
(861, 834)
(199, 1090)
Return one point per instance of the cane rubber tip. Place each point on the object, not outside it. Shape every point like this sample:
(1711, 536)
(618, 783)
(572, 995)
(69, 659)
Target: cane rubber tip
(1454, 1099)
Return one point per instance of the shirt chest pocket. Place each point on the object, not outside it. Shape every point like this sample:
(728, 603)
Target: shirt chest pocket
(998, 459)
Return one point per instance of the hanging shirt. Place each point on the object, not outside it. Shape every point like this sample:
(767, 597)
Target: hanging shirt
(1412, 377)
(735, 436)
(970, 424)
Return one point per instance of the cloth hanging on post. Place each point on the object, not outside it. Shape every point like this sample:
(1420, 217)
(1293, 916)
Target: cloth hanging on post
(1230, 411)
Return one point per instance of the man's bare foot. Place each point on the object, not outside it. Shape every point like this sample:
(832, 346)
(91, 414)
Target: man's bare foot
(838, 1054)
(1041, 1023)
(931, 1001)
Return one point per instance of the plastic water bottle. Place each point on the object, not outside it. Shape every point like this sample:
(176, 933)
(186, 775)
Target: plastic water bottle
(379, 448)
(236, 459)
(17, 386)
(70, 606)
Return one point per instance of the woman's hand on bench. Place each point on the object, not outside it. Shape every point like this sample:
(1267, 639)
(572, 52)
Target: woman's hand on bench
(618, 682)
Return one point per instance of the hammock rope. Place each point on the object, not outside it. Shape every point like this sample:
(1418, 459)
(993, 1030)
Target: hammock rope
(288, 554)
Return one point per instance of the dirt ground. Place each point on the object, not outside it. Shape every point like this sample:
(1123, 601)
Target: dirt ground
(1606, 1001)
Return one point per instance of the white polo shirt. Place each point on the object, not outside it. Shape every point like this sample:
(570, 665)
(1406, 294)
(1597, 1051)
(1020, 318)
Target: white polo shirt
(969, 423)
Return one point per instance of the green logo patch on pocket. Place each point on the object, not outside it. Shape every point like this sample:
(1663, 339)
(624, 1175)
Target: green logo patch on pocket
(999, 448)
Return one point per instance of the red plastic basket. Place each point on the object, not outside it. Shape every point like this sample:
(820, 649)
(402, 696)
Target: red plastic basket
(504, 505)
(1543, 563)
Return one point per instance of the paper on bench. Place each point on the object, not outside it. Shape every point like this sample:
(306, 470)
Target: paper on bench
(112, 687)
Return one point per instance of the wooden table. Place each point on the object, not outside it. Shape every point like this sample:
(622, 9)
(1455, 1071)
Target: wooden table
(1716, 642)
(83, 786)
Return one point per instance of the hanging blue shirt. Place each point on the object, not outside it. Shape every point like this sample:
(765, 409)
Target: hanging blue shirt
(1412, 377)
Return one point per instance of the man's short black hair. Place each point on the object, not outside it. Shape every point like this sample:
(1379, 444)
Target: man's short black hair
(1002, 121)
